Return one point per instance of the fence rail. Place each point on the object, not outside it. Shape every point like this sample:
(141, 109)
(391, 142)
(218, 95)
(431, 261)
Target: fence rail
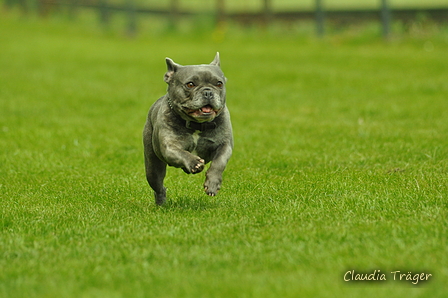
(383, 13)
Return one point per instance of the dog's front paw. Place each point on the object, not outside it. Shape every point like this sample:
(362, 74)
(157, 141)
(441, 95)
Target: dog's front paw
(211, 188)
(195, 166)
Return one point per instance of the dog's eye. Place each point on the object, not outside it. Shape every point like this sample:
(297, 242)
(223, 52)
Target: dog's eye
(219, 84)
(190, 85)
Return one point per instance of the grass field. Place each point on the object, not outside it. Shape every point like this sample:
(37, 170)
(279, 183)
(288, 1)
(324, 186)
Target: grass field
(340, 163)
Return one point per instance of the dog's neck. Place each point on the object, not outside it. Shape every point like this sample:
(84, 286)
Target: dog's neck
(200, 126)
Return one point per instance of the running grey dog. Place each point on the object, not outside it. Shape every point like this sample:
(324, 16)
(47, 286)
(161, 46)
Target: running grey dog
(189, 126)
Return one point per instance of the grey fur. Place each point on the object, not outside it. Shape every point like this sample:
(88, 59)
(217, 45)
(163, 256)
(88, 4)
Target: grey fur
(189, 126)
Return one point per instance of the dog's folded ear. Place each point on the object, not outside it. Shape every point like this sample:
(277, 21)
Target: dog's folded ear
(216, 61)
(171, 69)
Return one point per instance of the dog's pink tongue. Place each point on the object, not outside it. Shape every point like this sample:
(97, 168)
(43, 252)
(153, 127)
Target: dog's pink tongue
(206, 109)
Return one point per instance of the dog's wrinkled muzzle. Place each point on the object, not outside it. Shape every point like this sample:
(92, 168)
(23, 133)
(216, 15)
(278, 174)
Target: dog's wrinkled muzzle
(206, 113)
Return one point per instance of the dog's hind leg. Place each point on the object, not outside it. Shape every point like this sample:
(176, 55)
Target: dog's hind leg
(155, 173)
(155, 168)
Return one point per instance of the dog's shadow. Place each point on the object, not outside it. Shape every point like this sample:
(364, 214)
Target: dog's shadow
(188, 203)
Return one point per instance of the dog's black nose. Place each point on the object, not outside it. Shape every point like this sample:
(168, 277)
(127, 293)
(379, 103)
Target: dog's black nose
(208, 94)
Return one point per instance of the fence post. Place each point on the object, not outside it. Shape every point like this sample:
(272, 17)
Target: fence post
(267, 11)
(43, 8)
(174, 14)
(220, 12)
(72, 8)
(103, 10)
(320, 18)
(385, 18)
(132, 22)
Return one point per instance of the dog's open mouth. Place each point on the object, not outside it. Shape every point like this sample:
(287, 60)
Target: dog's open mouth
(205, 111)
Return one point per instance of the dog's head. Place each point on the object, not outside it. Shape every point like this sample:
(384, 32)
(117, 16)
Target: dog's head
(196, 92)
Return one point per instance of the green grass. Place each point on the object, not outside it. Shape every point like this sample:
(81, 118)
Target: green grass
(340, 163)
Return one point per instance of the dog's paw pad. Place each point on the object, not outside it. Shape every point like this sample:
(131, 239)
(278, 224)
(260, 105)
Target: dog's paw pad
(198, 167)
(210, 192)
(201, 164)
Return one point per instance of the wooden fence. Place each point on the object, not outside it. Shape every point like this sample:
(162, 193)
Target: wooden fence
(383, 13)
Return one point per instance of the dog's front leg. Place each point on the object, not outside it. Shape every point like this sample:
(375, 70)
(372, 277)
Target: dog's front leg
(213, 176)
(176, 156)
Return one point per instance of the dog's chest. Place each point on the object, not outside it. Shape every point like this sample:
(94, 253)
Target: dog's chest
(196, 136)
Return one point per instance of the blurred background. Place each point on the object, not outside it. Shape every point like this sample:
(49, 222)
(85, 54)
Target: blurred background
(321, 16)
